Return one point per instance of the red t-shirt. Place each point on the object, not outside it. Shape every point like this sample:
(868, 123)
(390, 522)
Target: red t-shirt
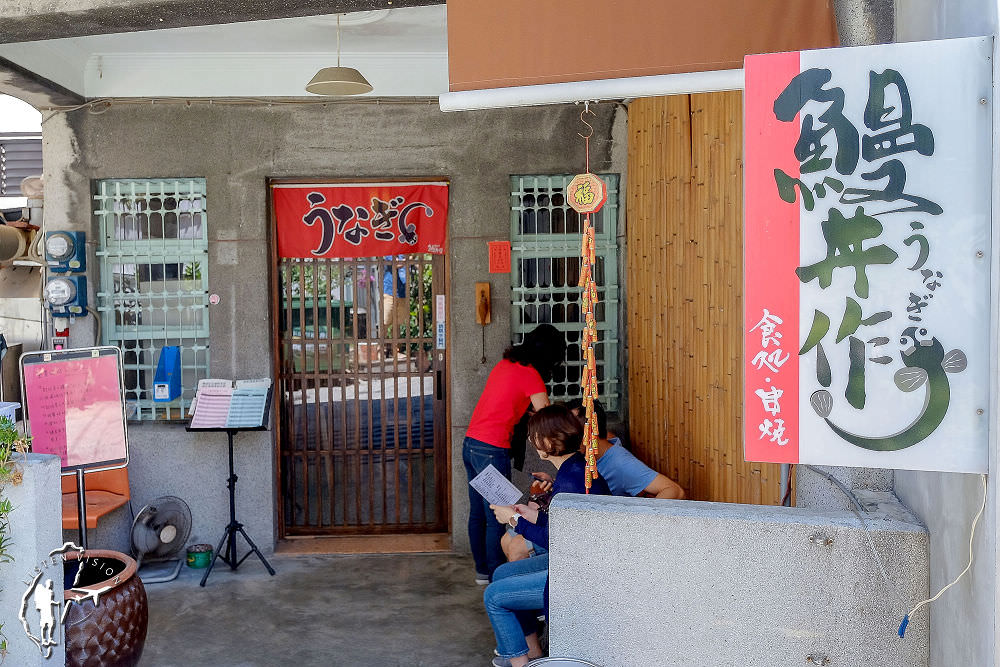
(507, 395)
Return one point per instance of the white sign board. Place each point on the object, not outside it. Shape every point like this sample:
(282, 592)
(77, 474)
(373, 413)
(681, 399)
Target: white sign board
(867, 241)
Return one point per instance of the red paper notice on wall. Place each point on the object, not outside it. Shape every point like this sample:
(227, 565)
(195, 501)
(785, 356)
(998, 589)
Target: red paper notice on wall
(499, 256)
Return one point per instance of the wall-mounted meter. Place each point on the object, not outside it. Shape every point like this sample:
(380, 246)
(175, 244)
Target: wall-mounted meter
(66, 296)
(65, 251)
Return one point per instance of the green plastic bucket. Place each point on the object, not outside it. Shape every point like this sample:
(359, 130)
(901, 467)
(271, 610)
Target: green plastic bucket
(199, 556)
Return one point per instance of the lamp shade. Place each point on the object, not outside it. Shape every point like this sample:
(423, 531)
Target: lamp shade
(338, 81)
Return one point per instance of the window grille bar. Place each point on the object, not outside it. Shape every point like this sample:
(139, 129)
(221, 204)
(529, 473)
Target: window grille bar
(153, 257)
(545, 247)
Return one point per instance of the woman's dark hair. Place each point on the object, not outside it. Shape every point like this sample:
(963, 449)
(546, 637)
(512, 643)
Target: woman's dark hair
(555, 430)
(576, 405)
(544, 349)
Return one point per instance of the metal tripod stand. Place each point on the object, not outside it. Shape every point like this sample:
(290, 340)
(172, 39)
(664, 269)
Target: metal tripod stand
(229, 537)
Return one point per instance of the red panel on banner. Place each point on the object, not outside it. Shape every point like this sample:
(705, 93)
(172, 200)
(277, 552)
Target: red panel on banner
(771, 254)
(499, 256)
(360, 220)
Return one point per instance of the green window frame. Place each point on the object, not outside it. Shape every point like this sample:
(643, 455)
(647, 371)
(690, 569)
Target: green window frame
(545, 238)
(153, 262)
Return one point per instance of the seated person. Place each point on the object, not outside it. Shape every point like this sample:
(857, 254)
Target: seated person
(520, 590)
(516, 547)
(624, 473)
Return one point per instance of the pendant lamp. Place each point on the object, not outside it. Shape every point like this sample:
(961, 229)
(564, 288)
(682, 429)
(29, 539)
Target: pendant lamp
(338, 80)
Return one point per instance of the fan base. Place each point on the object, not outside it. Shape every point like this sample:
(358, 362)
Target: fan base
(158, 573)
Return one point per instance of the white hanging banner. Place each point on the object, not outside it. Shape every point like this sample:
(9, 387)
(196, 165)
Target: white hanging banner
(867, 255)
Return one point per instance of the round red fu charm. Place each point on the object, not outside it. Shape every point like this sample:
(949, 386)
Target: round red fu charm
(586, 193)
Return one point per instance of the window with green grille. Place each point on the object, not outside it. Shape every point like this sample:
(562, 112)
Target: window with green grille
(153, 257)
(545, 238)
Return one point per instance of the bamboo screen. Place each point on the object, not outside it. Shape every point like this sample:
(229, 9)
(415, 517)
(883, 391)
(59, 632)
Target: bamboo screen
(684, 296)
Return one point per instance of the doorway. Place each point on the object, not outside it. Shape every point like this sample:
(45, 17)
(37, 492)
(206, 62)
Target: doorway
(361, 387)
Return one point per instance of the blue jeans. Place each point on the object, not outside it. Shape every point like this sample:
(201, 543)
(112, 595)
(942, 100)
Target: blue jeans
(484, 530)
(513, 602)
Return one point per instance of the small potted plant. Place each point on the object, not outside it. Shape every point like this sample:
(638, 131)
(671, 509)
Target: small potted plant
(13, 450)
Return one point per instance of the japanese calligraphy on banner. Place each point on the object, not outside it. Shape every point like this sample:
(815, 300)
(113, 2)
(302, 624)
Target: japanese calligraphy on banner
(360, 219)
(867, 251)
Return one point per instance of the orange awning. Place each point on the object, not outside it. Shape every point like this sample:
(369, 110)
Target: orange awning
(527, 42)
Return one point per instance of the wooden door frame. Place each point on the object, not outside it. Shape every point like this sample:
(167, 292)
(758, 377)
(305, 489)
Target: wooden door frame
(443, 486)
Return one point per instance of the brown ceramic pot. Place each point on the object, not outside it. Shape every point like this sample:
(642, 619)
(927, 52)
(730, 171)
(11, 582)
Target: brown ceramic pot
(110, 633)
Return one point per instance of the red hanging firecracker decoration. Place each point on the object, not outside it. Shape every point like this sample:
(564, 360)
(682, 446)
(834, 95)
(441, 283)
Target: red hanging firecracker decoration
(586, 194)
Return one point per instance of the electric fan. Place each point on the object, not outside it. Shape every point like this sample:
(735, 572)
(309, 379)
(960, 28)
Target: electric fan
(159, 533)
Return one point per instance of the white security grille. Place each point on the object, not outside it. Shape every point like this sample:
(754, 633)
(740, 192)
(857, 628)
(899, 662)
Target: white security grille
(545, 271)
(154, 283)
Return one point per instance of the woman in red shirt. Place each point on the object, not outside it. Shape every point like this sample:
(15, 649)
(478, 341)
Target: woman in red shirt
(513, 385)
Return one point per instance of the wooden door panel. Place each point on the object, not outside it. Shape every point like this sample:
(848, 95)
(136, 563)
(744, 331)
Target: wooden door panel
(362, 438)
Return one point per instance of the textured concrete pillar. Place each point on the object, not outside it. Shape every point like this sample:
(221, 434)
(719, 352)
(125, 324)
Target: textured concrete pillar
(814, 490)
(36, 529)
(861, 22)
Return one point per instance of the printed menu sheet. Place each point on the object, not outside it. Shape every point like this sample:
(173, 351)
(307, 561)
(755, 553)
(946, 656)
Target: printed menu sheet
(249, 403)
(495, 488)
(218, 405)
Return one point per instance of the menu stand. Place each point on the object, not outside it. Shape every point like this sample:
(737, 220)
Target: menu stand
(81, 507)
(229, 537)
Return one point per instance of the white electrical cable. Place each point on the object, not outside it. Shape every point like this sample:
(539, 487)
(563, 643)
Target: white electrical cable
(972, 535)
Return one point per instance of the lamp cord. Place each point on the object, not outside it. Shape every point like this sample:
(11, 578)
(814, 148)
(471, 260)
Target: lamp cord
(338, 40)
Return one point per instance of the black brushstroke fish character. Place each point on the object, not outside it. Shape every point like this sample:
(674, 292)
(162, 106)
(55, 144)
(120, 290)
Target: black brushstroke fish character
(926, 363)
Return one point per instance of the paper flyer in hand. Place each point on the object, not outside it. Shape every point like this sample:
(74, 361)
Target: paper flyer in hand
(495, 488)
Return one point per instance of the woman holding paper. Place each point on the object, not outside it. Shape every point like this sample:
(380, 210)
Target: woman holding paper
(513, 385)
(520, 589)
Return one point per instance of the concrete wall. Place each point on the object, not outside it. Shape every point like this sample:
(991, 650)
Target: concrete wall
(962, 631)
(236, 149)
(931, 19)
(35, 532)
(638, 582)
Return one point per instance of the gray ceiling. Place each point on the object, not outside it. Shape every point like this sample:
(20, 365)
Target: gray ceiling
(31, 20)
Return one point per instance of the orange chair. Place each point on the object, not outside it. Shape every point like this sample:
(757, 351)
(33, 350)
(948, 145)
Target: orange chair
(107, 490)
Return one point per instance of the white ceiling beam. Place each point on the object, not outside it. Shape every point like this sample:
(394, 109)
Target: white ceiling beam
(257, 74)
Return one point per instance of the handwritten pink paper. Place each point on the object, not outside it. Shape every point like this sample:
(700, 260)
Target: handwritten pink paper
(75, 410)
